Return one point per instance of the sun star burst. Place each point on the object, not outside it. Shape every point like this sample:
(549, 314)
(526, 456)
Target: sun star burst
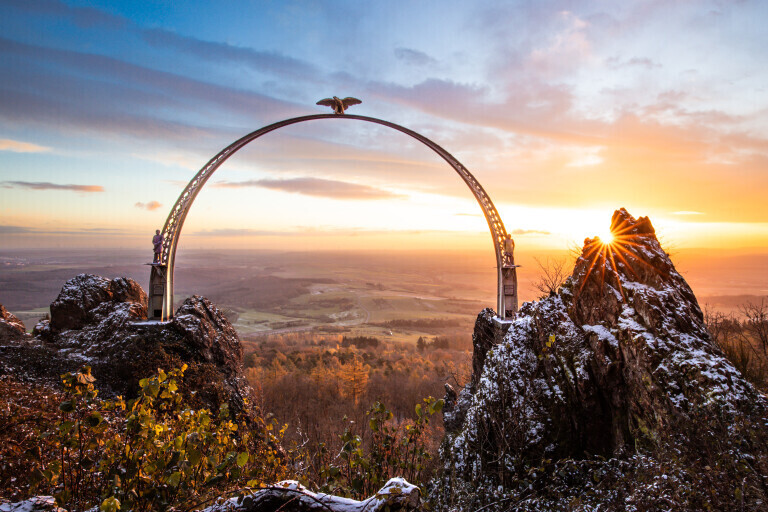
(605, 253)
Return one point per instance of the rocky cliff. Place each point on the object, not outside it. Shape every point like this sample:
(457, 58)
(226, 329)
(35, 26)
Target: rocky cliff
(609, 394)
(102, 323)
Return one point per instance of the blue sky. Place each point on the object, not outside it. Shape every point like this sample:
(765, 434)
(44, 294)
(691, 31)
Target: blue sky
(564, 111)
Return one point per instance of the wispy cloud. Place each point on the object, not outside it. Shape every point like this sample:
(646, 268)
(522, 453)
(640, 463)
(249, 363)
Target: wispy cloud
(643, 62)
(45, 185)
(151, 206)
(17, 146)
(229, 232)
(217, 52)
(315, 187)
(89, 17)
(130, 107)
(310, 232)
(25, 230)
(522, 232)
(414, 57)
(15, 230)
(83, 17)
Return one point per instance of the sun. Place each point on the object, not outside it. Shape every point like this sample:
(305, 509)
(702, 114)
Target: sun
(606, 236)
(611, 250)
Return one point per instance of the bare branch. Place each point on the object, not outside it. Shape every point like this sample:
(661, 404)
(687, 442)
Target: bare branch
(552, 275)
(756, 321)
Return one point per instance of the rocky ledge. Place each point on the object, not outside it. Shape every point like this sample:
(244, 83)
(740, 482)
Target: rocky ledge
(103, 323)
(609, 394)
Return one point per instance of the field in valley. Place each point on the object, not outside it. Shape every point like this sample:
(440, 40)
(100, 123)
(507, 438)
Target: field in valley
(397, 296)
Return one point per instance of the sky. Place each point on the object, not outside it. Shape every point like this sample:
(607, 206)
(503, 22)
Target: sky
(564, 112)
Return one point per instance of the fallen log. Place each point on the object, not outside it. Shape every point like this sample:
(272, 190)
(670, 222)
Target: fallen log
(290, 496)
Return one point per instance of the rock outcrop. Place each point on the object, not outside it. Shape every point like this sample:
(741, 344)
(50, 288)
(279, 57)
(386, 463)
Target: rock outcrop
(608, 394)
(11, 328)
(102, 323)
(89, 299)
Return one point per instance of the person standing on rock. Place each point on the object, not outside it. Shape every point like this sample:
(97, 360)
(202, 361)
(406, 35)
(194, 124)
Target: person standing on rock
(157, 242)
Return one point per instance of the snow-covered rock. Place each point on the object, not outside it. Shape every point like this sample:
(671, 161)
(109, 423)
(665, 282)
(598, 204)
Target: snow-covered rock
(102, 323)
(36, 504)
(616, 375)
(397, 495)
(87, 298)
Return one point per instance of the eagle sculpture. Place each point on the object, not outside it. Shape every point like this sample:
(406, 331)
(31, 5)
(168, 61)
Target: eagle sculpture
(339, 105)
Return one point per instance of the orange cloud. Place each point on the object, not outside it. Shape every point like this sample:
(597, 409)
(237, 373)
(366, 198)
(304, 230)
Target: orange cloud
(151, 206)
(21, 147)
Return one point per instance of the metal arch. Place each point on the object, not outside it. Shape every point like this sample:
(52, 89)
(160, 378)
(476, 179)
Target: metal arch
(175, 221)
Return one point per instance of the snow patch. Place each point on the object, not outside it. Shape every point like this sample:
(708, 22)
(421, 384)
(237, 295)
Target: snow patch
(603, 334)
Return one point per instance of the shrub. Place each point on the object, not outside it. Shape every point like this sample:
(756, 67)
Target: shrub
(149, 453)
(361, 469)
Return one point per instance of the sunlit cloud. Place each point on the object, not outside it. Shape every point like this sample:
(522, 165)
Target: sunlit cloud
(314, 232)
(21, 147)
(585, 157)
(151, 206)
(44, 185)
(687, 213)
(315, 187)
(231, 232)
(522, 232)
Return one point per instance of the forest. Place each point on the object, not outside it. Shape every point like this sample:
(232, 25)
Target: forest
(320, 385)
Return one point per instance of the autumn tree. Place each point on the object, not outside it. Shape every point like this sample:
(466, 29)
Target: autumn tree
(355, 378)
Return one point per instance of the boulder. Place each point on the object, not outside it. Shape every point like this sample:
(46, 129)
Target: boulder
(87, 299)
(11, 328)
(610, 393)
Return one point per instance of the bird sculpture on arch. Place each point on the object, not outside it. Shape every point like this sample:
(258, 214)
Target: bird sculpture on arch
(339, 105)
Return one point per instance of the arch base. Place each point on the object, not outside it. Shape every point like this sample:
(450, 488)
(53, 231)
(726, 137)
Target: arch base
(156, 301)
(507, 292)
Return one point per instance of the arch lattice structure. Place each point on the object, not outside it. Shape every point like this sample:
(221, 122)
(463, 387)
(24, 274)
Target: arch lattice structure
(161, 279)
